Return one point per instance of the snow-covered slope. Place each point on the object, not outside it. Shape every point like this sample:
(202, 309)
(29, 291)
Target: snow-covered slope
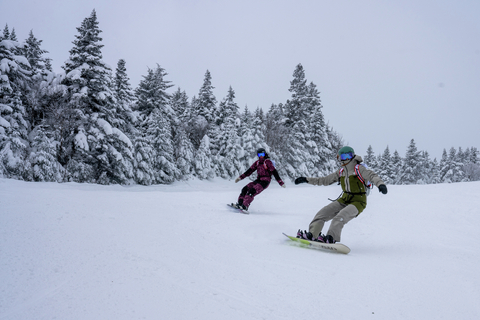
(78, 251)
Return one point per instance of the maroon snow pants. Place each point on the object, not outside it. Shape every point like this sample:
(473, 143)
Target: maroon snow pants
(251, 190)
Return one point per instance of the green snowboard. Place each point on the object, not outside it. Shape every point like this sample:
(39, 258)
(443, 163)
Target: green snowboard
(331, 247)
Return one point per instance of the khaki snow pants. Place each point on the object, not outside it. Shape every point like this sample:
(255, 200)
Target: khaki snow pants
(339, 213)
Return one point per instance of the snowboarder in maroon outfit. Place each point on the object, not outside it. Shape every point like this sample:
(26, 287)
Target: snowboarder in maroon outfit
(265, 168)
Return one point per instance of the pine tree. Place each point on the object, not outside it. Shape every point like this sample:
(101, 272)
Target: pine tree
(152, 92)
(34, 54)
(230, 149)
(181, 106)
(13, 35)
(247, 139)
(43, 158)
(435, 172)
(411, 165)
(124, 100)
(87, 76)
(184, 153)
(14, 72)
(319, 151)
(144, 160)
(107, 155)
(371, 160)
(425, 168)
(335, 143)
(159, 133)
(387, 170)
(397, 164)
(206, 102)
(6, 33)
(14, 139)
(444, 166)
(297, 156)
(202, 163)
(183, 147)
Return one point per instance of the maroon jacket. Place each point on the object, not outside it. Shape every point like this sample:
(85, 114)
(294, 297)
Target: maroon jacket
(265, 169)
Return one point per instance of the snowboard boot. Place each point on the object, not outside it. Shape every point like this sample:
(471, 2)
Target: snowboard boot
(300, 234)
(329, 239)
(321, 238)
(304, 235)
(243, 207)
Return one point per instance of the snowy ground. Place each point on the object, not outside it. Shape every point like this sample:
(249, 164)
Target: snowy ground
(78, 251)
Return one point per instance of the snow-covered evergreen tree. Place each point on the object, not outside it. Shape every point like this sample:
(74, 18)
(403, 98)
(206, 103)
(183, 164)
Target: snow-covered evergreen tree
(107, 154)
(371, 160)
(203, 109)
(206, 102)
(397, 164)
(14, 138)
(159, 133)
(45, 166)
(435, 172)
(152, 92)
(184, 151)
(444, 166)
(157, 116)
(202, 163)
(319, 149)
(335, 143)
(230, 150)
(297, 156)
(144, 157)
(87, 76)
(275, 132)
(411, 165)
(124, 100)
(181, 106)
(387, 170)
(35, 55)
(425, 168)
(247, 139)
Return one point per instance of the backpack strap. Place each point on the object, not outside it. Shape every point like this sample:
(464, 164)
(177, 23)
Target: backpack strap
(359, 176)
(265, 165)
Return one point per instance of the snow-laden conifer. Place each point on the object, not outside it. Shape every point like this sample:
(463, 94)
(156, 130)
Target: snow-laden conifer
(108, 154)
(202, 163)
(230, 150)
(14, 142)
(206, 102)
(124, 96)
(387, 170)
(247, 139)
(411, 169)
(45, 166)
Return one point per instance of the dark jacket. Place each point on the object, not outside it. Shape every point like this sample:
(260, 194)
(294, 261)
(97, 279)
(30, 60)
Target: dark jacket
(265, 169)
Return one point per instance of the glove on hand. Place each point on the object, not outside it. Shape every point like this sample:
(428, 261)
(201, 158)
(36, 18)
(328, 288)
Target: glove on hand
(238, 179)
(284, 186)
(301, 180)
(382, 188)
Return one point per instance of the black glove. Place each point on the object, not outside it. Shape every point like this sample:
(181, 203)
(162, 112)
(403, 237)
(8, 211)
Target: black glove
(301, 180)
(382, 188)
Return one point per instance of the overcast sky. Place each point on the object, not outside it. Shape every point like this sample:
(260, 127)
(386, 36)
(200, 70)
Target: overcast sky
(387, 71)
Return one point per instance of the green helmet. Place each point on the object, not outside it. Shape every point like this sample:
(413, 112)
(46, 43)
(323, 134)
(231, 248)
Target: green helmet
(346, 153)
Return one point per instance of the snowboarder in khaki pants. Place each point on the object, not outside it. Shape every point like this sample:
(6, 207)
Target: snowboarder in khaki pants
(353, 178)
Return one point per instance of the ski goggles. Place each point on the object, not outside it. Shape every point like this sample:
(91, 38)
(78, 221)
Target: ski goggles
(346, 156)
(261, 154)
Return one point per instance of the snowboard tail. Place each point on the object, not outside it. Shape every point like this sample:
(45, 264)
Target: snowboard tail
(331, 247)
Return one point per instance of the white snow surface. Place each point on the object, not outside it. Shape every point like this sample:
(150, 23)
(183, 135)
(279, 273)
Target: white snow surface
(80, 251)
